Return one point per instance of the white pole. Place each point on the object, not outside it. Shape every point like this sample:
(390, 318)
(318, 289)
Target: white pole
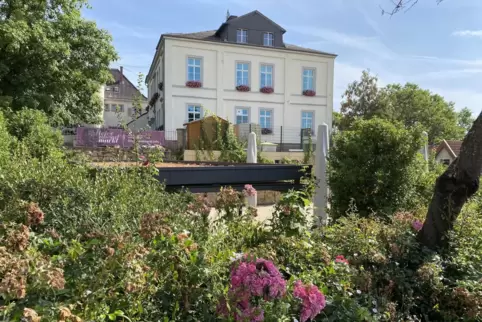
(252, 157)
(321, 192)
(425, 148)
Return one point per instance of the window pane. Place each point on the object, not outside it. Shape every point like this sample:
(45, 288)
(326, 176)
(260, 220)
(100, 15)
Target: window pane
(106, 108)
(194, 69)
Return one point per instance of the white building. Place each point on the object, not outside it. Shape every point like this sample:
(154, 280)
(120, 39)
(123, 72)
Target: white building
(207, 71)
(119, 97)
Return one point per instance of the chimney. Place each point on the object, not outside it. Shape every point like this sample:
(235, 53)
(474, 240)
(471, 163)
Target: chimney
(122, 75)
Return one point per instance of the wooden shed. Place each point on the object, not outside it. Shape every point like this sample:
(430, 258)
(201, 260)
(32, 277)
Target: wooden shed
(203, 133)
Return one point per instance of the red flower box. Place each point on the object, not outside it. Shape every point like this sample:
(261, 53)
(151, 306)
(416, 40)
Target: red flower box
(243, 88)
(194, 84)
(267, 90)
(309, 92)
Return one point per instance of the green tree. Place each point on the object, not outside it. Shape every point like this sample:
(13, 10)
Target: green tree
(361, 100)
(465, 119)
(52, 59)
(412, 105)
(373, 164)
(408, 104)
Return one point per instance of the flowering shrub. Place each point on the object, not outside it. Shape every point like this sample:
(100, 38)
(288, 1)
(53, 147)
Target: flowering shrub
(341, 259)
(252, 280)
(194, 84)
(417, 225)
(313, 301)
(309, 92)
(82, 245)
(249, 191)
(267, 90)
(243, 88)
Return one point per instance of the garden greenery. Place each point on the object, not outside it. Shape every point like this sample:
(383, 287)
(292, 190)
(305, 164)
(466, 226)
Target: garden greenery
(80, 244)
(375, 165)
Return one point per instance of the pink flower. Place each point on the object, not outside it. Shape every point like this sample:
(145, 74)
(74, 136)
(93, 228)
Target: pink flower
(252, 279)
(417, 225)
(313, 301)
(341, 259)
(249, 191)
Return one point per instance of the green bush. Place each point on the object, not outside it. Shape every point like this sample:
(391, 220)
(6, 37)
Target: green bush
(5, 141)
(374, 165)
(34, 133)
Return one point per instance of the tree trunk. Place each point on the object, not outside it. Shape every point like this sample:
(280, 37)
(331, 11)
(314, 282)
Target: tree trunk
(452, 189)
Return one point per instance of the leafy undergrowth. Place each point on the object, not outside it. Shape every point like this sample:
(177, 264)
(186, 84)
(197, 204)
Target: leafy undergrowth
(81, 245)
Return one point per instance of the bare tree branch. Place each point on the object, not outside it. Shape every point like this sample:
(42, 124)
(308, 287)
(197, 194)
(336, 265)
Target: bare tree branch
(399, 5)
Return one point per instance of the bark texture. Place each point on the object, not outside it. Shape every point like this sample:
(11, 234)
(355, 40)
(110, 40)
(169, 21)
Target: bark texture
(452, 189)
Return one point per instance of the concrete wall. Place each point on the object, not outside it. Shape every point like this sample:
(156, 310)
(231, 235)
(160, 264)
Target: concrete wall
(218, 94)
(190, 155)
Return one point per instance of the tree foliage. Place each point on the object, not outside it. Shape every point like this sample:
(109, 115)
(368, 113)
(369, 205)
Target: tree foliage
(407, 103)
(373, 164)
(52, 59)
(465, 119)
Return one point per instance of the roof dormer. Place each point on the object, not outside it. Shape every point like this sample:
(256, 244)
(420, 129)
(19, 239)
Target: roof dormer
(253, 28)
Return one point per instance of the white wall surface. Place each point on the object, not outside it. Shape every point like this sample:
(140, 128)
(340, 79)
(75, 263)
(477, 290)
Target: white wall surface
(218, 94)
(444, 155)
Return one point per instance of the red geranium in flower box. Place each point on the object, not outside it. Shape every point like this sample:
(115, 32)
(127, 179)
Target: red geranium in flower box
(243, 88)
(309, 92)
(194, 84)
(267, 90)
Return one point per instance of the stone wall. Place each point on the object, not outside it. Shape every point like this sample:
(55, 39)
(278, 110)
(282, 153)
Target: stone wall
(265, 198)
(190, 155)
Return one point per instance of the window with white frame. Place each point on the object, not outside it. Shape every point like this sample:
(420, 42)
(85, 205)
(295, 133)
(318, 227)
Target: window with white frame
(116, 89)
(306, 120)
(242, 74)
(194, 69)
(106, 108)
(266, 76)
(121, 108)
(193, 113)
(266, 119)
(308, 79)
(242, 115)
(113, 107)
(242, 36)
(268, 39)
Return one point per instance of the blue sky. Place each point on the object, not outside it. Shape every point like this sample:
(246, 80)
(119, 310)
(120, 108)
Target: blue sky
(438, 47)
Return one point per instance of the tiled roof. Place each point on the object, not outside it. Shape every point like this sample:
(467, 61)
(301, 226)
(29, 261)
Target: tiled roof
(127, 90)
(453, 147)
(210, 36)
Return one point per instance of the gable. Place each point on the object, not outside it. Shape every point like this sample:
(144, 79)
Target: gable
(257, 21)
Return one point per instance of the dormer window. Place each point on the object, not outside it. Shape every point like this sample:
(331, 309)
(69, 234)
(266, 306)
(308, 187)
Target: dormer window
(242, 36)
(268, 39)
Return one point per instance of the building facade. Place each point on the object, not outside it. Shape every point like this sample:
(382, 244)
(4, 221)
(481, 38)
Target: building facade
(119, 97)
(244, 73)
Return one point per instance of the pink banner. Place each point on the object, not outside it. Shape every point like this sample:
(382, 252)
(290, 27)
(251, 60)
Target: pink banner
(93, 137)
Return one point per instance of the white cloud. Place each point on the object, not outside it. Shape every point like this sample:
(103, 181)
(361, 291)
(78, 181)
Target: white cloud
(371, 45)
(468, 33)
(120, 30)
(442, 60)
(462, 98)
(448, 74)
